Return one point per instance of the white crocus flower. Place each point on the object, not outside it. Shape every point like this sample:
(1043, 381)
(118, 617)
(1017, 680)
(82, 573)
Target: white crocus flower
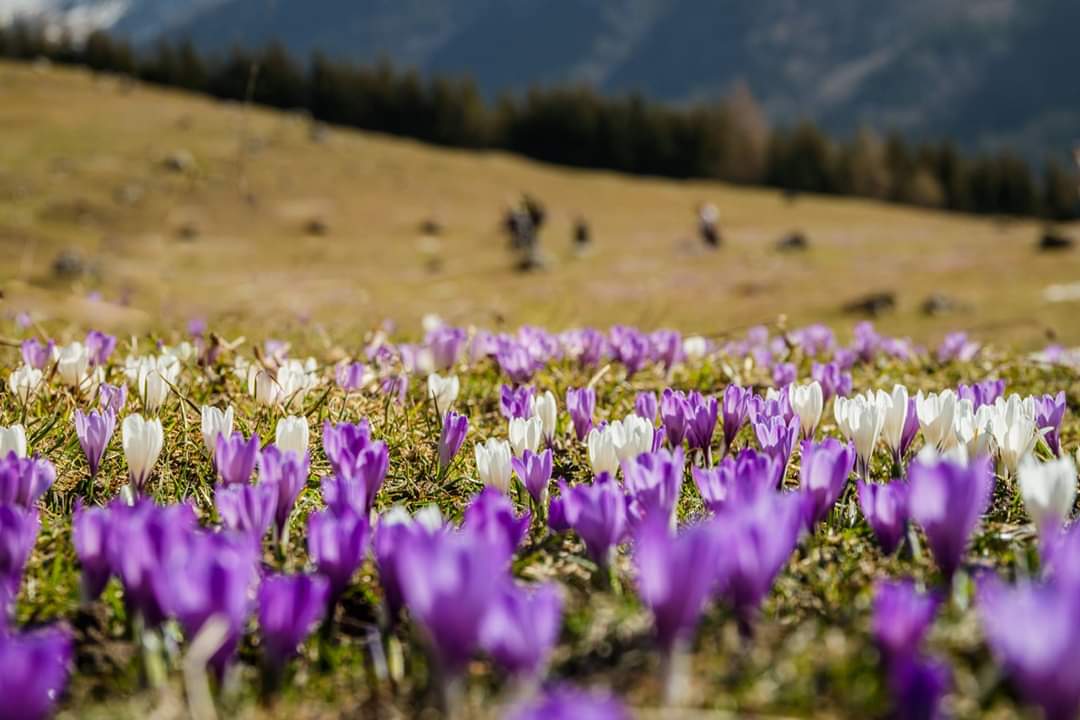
(493, 463)
(443, 391)
(431, 322)
(633, 437)
(12, 440)
(695, 347)
(292, 435)
(24, 382)
(1015, 434)
(295, 379)
(72, 363)
(263, 386)
(215, 422)
(935, 411)
(807, 401)
(547, 409)
(1048, 489)
(601, 446)
(525, 434)
(142, 440)
(895, 407)
(971, 428)
(861, 419)
(153, 377)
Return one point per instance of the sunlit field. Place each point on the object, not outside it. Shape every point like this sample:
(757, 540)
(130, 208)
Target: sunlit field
(536, 525)
(178, 207)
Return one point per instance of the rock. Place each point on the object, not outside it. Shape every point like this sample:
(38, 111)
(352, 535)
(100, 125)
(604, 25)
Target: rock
(431, 226)
(939, 304)
(1052, 241)
(872, 304)
(316, 226)
(188, 231)
(795, 241)
(179, 161)
(68, 265)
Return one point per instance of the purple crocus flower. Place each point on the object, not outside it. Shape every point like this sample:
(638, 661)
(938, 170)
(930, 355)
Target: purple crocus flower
(700, 420)
(653, 481)
(235, 458)
(597, 513)
(816, 339)
(566, 703)
(734, 408)
(630, 347)
(981, 393)
(676, 574)
(645, 406)
(213, 579)
(1049, 412)
(885, 508)
(587, 346)
(337, 542)
(758, 538)
(866, 342)
(90, 532)
(957, 346)
(845, 358)
(674, 410)
(99, 346)
(18, 533)
(521, 627)
(94, 431)
(534, 471)
(288, 473)
(902, 617)
(736, 479)
(784, 374)
(396, 529)
(777, 437)
(516, 402)
(581, 403)
(395, 386)
(112, 398)
(917, 686)
(823, 472)
(34, 670)
(344, 442)
(350, 376)
(1032, 631)
(911, 429)
(514, 360)
(947, 499)
(247, 509)
(452, 435)
(141, 542)
(833, 380)
(449, 586)
(491, 514)
(289, 607)
(446, 345)
(359, 464)
(774, 405)
(37, 354)
(24, 480)
(666, 348)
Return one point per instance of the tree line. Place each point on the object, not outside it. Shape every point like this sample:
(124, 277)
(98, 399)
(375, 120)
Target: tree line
(728, 140)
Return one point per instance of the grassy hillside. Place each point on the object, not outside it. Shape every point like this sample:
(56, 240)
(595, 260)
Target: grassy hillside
(84, 168)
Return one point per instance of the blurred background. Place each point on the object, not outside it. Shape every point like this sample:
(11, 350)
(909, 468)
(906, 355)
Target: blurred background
(707, 165)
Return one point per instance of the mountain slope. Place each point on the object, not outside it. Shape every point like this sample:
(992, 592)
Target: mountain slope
(987, 71)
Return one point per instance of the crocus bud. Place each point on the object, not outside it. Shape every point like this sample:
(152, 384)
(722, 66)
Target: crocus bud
(534, 471)
(289, 607)
(547, 410)
(443, 391)
(34, 668)
(493, 463)
(215, 422)
(935, 412)
(72, 364)
(94, 431)
(13, 440)
(90, 532)
(236, 458)
(24, 382)
(807, 401)
(454, 429)
(581, 403)
(142, 440)
(292, 435)
(602, 455)
(525, 434)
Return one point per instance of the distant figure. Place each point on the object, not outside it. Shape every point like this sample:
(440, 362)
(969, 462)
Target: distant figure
(794, 241)
(708, 216)
(582, 234)
(1053, 240)
(536, 210)
(523, 224)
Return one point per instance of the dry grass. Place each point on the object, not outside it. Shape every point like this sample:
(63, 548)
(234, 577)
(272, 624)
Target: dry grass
(81, 167)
